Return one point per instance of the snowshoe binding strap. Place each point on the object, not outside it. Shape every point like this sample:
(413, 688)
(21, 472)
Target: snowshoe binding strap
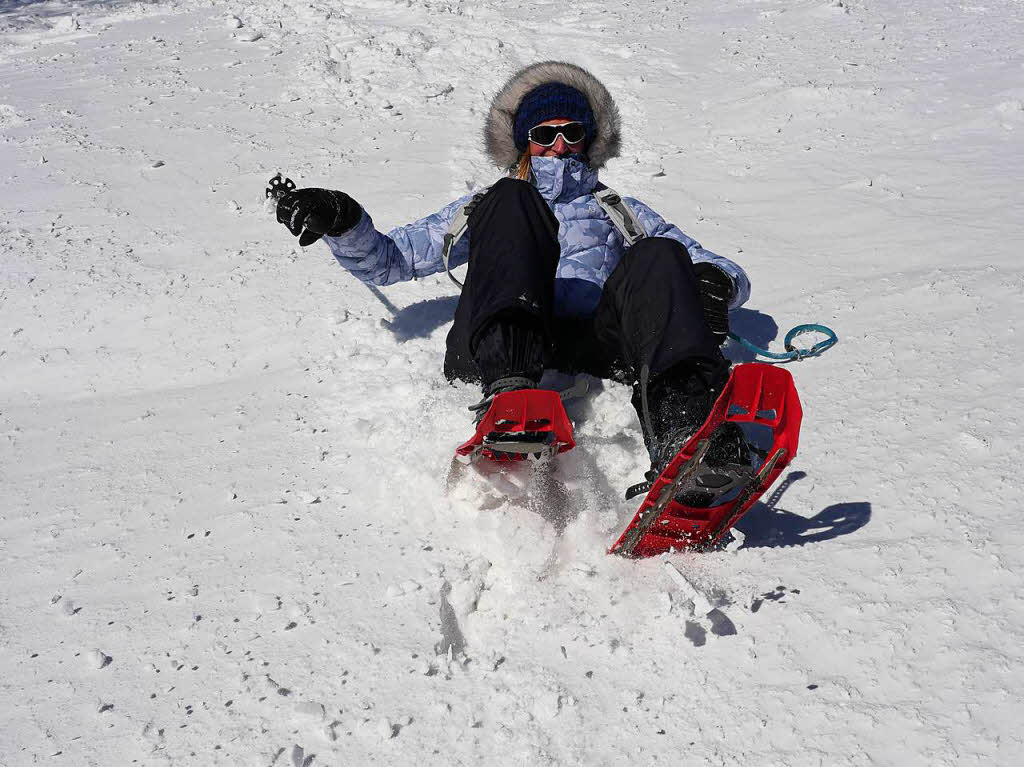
(579, 388)
(508, 383)
(642, 488)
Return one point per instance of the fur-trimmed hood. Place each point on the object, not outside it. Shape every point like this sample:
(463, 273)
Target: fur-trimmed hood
(499, 129)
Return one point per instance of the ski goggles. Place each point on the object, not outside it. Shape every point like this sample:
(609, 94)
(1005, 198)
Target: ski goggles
(547, 135)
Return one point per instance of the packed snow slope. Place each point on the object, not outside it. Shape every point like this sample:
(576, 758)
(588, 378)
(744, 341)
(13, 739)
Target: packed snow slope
(228, 533)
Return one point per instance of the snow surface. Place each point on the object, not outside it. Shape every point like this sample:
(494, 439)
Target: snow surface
(229, 535)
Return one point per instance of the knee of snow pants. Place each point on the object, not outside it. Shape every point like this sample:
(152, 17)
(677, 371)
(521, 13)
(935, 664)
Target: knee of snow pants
(650, 313)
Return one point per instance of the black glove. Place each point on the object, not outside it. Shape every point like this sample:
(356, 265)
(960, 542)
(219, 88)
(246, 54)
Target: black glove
(309, 214)
(715, 288)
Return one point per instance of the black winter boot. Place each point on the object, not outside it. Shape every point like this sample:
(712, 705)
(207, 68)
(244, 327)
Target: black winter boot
(510, 355)
(678, 403)
(512, 344)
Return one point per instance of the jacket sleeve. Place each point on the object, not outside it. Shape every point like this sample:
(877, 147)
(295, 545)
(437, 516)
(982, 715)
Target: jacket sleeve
(404, 253)
(656, 226)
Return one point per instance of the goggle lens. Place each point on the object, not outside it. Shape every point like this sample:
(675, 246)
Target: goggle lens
(547, 135)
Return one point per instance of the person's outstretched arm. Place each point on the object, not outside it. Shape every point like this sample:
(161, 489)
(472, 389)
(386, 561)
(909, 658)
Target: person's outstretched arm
(406, 252)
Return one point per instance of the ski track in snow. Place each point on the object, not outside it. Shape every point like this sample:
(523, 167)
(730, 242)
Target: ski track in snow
(230, 535)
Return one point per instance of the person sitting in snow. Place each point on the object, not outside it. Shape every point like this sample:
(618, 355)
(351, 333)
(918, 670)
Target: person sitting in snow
(553, 280)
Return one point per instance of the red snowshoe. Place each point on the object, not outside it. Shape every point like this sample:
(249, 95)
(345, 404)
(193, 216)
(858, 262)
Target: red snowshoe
(520, 425)
(762, 400)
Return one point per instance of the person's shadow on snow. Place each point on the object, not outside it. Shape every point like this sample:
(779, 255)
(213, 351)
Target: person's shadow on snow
(421, 319)
(766, 525)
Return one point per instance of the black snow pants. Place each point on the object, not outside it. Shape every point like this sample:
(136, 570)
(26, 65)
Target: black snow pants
(649, 314)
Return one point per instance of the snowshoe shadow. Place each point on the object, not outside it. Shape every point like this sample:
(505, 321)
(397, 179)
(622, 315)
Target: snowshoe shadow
(758, 328)
(767, 526)
(421, 319)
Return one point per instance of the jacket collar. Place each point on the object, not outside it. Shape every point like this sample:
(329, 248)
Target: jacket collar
(561, 179)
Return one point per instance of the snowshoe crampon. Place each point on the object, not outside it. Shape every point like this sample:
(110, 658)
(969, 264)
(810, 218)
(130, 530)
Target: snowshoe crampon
(694, 502)
(520, 425)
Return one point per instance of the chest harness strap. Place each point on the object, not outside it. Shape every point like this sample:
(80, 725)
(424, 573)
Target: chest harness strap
(622, 215)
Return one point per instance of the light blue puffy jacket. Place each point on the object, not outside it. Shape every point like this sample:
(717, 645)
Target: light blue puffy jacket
(591, 245)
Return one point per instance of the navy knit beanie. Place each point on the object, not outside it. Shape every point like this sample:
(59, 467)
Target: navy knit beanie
(549, 102)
